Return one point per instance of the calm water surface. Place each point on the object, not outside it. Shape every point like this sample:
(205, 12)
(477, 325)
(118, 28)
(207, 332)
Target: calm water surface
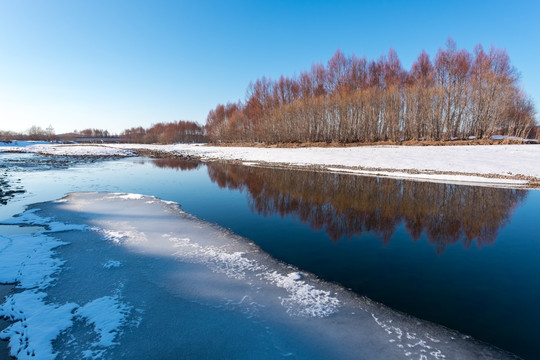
(465, 257)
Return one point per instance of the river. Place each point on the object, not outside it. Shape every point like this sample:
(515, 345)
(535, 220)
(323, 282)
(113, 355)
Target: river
(461, 256)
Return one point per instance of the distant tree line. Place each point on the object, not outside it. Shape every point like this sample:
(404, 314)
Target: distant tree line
(166, 133)
(34, 133)
(162, 133)
(457, 95)
(94, 133)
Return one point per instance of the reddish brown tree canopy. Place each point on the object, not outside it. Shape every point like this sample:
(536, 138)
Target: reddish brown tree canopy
(458, 95)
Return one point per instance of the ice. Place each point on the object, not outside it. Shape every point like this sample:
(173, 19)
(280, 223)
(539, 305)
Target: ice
(112, 264)
(303, 299)
(30, 218)
(30, 261)
(151, 281)
(125, 196)
(20, 143)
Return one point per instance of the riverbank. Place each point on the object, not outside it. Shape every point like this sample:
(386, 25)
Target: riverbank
(501, 165)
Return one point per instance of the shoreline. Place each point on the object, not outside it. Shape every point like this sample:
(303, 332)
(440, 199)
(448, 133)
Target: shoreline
(465, 178)
(508, 166)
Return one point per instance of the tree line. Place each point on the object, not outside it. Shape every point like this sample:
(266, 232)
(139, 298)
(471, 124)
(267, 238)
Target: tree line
(457, 95)
(166, 133)
(162, 133)
(34, 133)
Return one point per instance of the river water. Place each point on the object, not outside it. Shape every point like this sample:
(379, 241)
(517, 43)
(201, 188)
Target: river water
(461, 256)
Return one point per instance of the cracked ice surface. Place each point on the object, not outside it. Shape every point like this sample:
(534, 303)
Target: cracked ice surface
(131, 276)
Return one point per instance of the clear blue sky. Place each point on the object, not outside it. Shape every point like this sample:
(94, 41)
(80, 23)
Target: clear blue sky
(111, 64)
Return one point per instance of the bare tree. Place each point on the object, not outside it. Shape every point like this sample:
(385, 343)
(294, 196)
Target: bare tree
(352, 100)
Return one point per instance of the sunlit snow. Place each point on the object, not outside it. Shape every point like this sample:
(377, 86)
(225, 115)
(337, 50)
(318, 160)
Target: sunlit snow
(462, 164)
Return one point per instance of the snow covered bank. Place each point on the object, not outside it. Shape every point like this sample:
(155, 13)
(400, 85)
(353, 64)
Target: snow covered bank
(131, 276)
(513, 165)
(64, 149)
(497, 165)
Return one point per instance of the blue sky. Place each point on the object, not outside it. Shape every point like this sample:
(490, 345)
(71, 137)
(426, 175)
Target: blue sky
(117, 64)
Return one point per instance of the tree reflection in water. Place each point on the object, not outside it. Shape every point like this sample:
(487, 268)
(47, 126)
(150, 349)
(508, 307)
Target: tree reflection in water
(177, 164)
(347, 205)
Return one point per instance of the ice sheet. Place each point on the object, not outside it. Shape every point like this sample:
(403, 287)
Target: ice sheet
(149, 280)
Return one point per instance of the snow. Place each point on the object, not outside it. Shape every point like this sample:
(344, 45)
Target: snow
(151, 281)
(471, 164)
(36, 324)
(107, 314)
(446, 178)
(28, 260)
(65, 149)
(477, 159)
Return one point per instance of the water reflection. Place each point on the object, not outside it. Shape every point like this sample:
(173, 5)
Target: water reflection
(177, 164)
(344, 205)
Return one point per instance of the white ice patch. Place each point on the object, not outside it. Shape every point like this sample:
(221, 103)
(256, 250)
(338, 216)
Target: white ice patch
(121, 236)
(295, 276)
(112, 264)
(422, 345)
(233, 265)
(29, 260)
(36, 324)
(108, 314)
(125, 196)
(304, 299)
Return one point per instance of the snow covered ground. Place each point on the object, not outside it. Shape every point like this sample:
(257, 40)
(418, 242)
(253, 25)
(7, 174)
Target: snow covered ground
(513, 165)
(130, 276)
(63, 149)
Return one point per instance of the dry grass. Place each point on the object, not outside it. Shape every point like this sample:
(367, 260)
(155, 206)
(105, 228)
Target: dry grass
(377, 143)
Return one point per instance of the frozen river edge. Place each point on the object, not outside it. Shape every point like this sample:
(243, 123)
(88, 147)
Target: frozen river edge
(126, 275)
(487, 165)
